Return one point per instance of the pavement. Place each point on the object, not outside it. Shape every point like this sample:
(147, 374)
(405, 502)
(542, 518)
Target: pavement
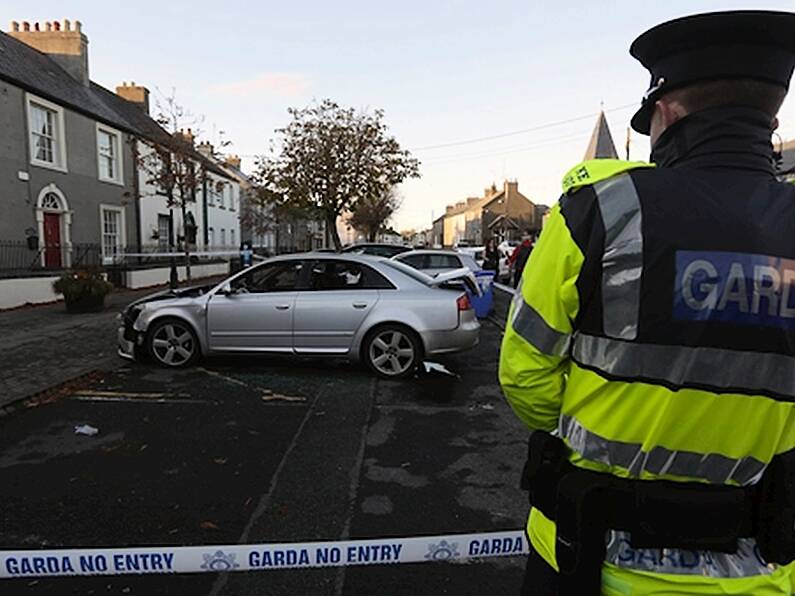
(256, 450)
(36, 336)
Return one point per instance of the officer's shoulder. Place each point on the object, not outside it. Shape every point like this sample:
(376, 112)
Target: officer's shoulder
(595, 170)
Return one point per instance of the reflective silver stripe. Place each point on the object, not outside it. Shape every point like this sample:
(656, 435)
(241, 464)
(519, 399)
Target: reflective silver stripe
(682, 366)
(622, 260)
(532, 327)
(712, 467)
(746, 562)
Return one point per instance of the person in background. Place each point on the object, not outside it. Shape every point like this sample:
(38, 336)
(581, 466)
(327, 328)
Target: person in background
(491, 257)
(519, 258)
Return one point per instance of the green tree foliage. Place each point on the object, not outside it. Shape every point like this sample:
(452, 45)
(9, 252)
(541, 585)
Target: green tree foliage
(372, 213)
(329, 159)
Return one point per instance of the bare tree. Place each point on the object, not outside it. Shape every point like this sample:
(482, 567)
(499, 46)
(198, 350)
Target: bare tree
(371, 214)
(330, 158)
(173, 169)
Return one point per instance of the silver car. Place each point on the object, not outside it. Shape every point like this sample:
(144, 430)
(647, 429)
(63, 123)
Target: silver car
(434, 262)
(382, 312)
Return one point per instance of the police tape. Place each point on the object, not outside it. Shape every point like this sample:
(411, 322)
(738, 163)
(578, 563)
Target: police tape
(253, 557)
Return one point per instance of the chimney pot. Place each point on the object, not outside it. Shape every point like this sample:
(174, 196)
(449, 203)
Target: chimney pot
(56, 25)
(132, 83)
(67, 26)
(25, 26)
(36, 26)
(48, 26)
(78, 26)
(14, 26)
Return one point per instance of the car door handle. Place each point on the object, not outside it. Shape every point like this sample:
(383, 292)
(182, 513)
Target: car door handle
(359, 305)
(282, 307)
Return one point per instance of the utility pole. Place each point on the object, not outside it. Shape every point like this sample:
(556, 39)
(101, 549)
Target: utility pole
(628, 141)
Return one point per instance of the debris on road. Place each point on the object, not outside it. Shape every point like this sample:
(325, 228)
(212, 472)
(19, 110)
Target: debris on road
(87, 430)
(208, 525)
(435, 367)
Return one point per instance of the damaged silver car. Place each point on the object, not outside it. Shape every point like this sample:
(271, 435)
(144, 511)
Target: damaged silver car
(381, 312)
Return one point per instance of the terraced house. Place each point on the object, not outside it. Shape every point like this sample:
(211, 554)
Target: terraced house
(70, 191)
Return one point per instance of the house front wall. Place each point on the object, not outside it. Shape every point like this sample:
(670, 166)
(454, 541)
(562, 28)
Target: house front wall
(70, 201)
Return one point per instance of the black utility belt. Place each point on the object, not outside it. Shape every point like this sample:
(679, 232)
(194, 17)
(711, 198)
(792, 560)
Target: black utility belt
(656, 513)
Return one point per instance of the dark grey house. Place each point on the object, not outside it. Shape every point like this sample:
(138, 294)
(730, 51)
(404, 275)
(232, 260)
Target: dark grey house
(66, 167)
(69, 186)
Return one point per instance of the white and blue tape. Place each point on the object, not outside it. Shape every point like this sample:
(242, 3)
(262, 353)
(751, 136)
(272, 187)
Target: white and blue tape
(253, 557)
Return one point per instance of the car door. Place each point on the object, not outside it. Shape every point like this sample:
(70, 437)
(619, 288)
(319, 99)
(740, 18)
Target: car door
(339, 296)
(257, 315)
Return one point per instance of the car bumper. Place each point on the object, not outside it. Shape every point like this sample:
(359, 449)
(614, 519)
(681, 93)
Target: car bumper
(126, 345)
(464, 337)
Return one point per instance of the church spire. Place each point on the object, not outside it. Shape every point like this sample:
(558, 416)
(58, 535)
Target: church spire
(601, 145)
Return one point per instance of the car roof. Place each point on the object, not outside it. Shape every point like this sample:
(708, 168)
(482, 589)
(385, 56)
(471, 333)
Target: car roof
(430, 251)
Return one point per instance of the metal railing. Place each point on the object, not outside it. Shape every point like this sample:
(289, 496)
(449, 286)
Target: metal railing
(18, 258)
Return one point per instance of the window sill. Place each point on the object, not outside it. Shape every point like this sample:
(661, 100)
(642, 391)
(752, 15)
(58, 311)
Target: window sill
(111, 181)
(48, 166)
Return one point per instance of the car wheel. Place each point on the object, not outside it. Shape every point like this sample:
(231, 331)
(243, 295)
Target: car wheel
(392, 351)
(172, 343)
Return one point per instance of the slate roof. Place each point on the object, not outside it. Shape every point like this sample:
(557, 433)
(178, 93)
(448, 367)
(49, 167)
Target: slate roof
(36, 72)
(601, 145)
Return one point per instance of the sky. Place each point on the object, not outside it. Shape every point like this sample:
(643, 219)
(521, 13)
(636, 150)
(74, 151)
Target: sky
(447, 73)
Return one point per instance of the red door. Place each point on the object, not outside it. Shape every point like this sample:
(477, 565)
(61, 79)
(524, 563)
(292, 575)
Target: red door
(52, 240)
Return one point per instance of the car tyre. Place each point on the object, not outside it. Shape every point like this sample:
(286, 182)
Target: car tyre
(172, 343)
(392, 351)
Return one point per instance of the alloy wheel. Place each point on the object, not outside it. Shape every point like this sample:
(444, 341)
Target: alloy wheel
(173, 344)
(392, 353)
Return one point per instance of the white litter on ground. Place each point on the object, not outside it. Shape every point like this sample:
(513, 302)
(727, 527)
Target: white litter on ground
(438, 368)
(86, 429)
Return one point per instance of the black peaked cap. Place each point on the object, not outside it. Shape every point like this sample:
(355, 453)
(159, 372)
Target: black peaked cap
(741, 44)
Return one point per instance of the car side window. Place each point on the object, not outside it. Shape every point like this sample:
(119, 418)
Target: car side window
(345, 275)
(416, 261)
(276, 277)
(444, 262)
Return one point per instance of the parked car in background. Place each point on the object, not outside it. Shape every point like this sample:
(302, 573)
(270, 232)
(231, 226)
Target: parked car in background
(376, 249)
(434, 262)
(506, 248)
(381, 312)
(476, 252)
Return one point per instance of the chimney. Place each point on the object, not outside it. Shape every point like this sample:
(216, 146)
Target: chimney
(62, 41)
(233, 160)
(205, 148)
(136, 94)
(185, 135)
(511, 188)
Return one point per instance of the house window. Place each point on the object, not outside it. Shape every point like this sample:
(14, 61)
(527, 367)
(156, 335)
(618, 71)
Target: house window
(232, 238)
(112, 232)
(223, 237)
(211, 236)
(231, 197)
(45, 122)
(108, 154)
(210, 201)
(163, 230)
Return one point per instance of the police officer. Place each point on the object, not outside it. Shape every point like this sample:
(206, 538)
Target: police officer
(651, 346)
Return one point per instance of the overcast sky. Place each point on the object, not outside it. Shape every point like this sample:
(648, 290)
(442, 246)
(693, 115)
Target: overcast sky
(443, 71)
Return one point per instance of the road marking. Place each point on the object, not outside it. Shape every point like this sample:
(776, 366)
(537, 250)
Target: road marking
(136, 400)
(267, 394)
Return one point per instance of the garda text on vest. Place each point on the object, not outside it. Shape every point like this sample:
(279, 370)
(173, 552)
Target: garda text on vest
(739, 288)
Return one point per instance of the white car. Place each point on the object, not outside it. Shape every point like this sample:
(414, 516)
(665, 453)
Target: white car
(476, 252)
(434, 262)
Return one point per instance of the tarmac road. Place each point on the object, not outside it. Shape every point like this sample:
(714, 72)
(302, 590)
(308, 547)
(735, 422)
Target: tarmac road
(265, 450)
